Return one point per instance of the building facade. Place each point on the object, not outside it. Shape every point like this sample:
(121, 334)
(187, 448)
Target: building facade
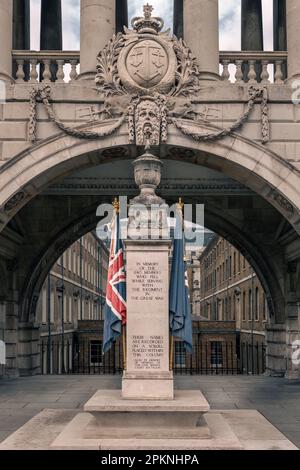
(230, 290)
(73, 295)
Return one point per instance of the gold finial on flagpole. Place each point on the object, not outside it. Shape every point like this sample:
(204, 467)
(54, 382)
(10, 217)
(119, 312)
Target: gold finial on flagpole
(181, 203)
(116, 205)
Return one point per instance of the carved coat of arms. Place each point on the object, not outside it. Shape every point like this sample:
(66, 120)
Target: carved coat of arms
(148, 70)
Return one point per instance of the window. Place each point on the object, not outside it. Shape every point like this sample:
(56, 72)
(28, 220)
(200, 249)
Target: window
(44, 306)
(52, 306)
(265, 307)
(95, 353)
(70, 308)
(244, 306)
(256, 304)
(234, 263)
(234, 300)
(250, 304)
(216, 354)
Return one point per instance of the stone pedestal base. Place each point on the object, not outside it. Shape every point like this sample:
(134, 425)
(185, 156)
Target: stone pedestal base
(108, 430)
(141, 387)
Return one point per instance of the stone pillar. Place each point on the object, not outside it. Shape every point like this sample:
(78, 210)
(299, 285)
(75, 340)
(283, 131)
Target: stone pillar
(6, 23)
(28, 349)
(252, 32)
(293, 347)
(21, 25)
(51, 25)
(280, 35)
(201, 33)
(51, 30)
(97, 26)
(121, 15)
(276, 354)
(2, 338)
(21, 30)
(293, 38)
(11, 337)
(178, 19)
(280, 41)
(252, 26)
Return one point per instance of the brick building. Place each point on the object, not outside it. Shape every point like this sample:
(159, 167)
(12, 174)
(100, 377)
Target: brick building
(73, 295)
(231, 291)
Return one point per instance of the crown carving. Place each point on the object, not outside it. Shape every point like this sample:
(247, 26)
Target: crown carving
(147, 23)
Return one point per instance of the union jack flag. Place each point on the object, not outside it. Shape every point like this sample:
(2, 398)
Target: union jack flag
(115, 306)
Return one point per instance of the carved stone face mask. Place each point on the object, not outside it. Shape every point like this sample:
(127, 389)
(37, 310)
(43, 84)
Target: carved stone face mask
(147, 122)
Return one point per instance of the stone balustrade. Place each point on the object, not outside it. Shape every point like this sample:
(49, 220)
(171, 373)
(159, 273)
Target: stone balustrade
(253, 67)
(62, 63)
(235, 67)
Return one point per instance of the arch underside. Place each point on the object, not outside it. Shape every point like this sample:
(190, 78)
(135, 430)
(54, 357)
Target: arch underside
(272, 180)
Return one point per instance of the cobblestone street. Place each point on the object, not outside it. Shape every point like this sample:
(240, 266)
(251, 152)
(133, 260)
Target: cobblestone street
(277, 399)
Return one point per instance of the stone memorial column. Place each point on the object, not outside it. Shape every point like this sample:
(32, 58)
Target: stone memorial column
(293, 38)
(148, 375)
(201, 33)
(6, 24)
(97, 26)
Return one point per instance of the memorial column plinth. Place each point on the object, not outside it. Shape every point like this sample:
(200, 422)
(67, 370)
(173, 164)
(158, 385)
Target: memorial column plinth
(148, 374)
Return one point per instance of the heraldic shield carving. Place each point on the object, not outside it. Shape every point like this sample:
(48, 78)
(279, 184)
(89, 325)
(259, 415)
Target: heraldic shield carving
(148, 70)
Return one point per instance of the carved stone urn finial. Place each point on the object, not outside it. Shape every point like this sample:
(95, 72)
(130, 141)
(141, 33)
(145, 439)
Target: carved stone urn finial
(147, 175)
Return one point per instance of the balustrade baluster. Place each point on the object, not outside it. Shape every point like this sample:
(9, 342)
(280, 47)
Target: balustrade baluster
(33, 72)
(278, 72)
(265, 74)
(20, 75)
(60, 71)
(252, 72)
(73, 73)
(225, 74)
(47, 73)
(239, 72)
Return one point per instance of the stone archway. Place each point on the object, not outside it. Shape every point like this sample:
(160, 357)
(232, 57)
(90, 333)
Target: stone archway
(260, 169)
(269, 176)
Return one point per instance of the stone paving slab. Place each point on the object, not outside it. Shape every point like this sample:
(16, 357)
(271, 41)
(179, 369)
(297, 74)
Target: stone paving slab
(228, 392)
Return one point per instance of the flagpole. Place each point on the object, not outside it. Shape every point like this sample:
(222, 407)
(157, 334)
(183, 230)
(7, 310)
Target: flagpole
(171, 352)
(124, 347)
(180, 206)
(116, 206)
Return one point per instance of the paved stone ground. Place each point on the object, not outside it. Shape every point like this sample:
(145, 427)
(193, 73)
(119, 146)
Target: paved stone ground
(277, 399)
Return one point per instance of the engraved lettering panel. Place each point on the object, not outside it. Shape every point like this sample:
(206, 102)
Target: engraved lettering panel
(147, 304)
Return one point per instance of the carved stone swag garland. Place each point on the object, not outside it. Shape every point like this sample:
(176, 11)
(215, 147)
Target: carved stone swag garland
(186, 85)
(184, 125)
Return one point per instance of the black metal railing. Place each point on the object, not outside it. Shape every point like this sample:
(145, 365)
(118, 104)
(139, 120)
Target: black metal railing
(208, 358)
